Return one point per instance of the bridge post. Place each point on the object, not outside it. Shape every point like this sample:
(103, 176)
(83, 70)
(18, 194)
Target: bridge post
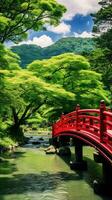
(107, 173)
(102, 118)
(64, 149)
(79, 163)
(77, 117)
(103, 187)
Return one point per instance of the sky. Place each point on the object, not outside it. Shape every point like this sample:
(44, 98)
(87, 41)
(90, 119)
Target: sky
(76, 22)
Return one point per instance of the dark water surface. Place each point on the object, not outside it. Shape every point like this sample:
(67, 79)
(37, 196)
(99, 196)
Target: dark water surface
(30, 174)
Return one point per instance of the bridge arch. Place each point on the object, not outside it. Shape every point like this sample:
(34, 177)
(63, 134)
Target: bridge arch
(92, 126)
(89, 141)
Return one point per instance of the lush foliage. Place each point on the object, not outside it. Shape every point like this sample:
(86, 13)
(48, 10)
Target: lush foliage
(54, 85)
(25, 94)
(7, 142)
(103, 19)
(71, 44)
(74, 74)
(101, 58)
(29, 53)
(8, 59)
(17, 17)
(47, 89)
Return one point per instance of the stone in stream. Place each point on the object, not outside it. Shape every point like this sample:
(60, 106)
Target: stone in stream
(50, 150)
(36, 142)
(41, 139)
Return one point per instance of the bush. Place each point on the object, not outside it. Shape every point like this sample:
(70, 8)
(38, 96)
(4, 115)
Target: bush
(7, 142)
(34, 127)
(3, 128)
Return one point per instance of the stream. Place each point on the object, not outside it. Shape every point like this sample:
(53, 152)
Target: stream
(30, 174)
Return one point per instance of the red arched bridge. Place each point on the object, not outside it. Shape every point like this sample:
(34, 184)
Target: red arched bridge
(93, 126)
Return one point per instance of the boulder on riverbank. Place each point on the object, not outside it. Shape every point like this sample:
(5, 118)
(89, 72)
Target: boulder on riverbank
(50, 150)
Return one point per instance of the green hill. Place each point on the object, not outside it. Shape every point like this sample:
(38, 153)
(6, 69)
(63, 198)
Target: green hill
(71, 44)
(29, 53)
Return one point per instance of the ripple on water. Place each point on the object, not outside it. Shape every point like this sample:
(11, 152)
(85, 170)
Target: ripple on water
(47, 189)
(48, 195)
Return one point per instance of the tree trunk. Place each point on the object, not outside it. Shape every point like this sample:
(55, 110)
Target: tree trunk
(16, 132)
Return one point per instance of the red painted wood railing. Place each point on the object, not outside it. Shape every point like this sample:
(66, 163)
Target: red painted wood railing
(96, 124)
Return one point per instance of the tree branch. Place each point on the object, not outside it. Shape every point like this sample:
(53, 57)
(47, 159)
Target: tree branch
(10, 29)
(25, 112)
(34, 110)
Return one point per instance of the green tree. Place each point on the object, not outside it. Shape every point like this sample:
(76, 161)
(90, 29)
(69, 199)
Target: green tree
(101, 58)
(74, 74)
(103, 19)
(16, 95)
(8, 59)
(17, 17)
(27, 94)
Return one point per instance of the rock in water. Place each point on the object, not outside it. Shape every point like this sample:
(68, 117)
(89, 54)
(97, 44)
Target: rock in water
(50, 150)
(36, 142)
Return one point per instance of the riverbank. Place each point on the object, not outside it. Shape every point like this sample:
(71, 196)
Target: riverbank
(7, 144)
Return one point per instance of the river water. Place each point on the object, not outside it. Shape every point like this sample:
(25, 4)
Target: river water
(30, 174)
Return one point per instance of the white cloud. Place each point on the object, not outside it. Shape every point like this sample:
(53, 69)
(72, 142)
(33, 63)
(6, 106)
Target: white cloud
(42, 41)
(83, 7)
(85, 34)
(62, 28)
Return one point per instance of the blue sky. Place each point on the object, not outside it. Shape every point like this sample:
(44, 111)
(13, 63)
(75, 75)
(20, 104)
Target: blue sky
(76, 22)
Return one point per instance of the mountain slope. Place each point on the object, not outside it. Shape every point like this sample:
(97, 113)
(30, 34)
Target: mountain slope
(72, 44)
(29, 53)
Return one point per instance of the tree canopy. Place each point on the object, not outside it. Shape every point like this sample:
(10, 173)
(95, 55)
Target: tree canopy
(74, 74)
(21, 93)
(103, 18)
(101, 58)
(17, 17)
(8, 59)
(48, 87)
(25, 94)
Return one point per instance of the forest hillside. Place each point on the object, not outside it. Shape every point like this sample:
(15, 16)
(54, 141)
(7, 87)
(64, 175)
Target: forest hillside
(29, 53)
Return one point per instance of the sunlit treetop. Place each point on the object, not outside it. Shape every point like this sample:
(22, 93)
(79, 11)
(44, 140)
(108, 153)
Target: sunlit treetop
(73, 72)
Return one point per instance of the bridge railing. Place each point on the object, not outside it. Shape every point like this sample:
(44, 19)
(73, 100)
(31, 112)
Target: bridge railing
(108, 128)
(97, 123)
